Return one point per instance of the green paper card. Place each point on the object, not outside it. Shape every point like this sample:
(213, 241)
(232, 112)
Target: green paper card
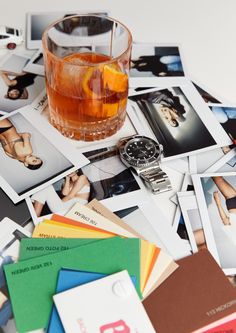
(36, 247)
(32, 282)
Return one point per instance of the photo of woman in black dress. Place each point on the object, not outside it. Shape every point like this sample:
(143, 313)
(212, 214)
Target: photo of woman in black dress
(17, 86)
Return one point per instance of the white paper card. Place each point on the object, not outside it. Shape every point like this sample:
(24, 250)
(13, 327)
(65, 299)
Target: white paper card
(110, 304)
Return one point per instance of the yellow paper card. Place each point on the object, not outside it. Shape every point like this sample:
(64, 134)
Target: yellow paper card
(78, 228)
(148, 250)
(44, 230)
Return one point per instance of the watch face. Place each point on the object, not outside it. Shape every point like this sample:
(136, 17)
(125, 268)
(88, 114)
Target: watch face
(141, 151)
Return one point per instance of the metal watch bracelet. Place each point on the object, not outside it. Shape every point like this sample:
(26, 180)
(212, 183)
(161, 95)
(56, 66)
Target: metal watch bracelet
(156, 179)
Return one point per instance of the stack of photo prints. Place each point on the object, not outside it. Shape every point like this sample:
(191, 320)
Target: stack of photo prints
(84, 245)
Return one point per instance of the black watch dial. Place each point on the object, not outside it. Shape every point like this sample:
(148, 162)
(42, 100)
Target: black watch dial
(141, 149)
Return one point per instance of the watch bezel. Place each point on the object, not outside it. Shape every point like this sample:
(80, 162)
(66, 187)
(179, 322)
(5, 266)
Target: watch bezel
(136, 162)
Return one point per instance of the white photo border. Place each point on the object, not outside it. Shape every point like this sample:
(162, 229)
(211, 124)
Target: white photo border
(56, 139)
(210, 240)
(186, 203)
(221, 162)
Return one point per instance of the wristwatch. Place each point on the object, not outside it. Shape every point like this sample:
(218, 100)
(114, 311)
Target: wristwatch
(143, 155)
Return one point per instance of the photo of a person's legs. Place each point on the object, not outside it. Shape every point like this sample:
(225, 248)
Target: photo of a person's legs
(228, 218)
(229, 193)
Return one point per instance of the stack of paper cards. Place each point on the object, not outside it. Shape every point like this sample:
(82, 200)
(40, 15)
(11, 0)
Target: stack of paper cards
(32, 282)
(92, 244)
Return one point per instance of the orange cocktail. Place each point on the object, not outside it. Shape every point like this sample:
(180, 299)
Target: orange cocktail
(87, 90)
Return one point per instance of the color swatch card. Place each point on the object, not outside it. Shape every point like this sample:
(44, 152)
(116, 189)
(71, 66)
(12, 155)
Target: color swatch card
(69, 229)
(36, 247)
(195, 295)
(68, 279)
(32, 282)
(99, 208)
(110, 304)
(88, 216)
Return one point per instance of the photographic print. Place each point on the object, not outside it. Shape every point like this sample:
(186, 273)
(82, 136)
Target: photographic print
(105, 177)
(19, 212)
(11, 235)
(177, 118)
(29, 160)
(17, 87)
(216, 195)
(192, 221)
(201, 162)
(36, 64)
(226, 164)
(135, 218)
(14, 62)
(37, 22)
(59, 197)
(207, 97)
(145, 217)
(187, 185)
(179, 224)
(226, 116)
(150, 60)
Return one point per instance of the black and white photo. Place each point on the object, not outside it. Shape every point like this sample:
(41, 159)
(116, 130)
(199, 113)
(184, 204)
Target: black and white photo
(178, 119)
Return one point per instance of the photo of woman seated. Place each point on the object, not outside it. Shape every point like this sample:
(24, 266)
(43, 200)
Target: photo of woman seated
(75, 188)
(18, 146)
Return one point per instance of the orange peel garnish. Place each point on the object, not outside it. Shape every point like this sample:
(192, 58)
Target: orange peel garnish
(114, 79)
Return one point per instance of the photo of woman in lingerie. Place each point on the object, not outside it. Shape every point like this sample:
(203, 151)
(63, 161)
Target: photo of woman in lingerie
(29, 157)
(75, 188)
(219, 219)
(18, 146)
(17, 86)
(229, 194)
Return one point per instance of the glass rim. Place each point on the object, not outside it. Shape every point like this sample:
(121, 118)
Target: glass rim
(45, 35)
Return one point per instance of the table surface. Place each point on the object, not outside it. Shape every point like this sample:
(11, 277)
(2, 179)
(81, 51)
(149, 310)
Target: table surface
(205, 30)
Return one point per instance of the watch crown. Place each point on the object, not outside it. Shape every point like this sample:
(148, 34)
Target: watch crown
(161, 148)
